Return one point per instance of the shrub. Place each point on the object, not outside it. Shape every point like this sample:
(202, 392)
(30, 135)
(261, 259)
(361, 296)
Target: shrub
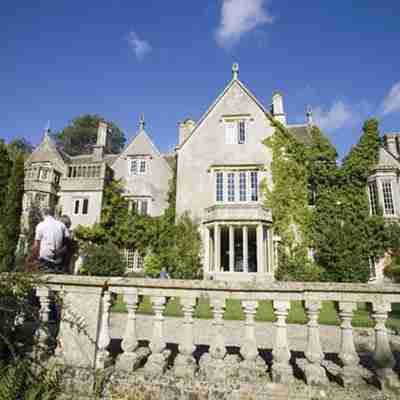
(392, 270)
(104, 260)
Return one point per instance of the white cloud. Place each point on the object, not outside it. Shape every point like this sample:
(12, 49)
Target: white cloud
(391, 103)
(337, 116)
(140, 47)
(239, 17)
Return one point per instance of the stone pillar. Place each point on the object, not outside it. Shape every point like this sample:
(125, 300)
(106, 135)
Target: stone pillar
(231, 248)
(260, 256)
(217, 348)
(245, 249)
(80, 323)
(185, 364)
(217, 248)
(157, 362)
(351, 373)
(253, 365)
(103, 355)
(281, 369)
(130, 359)
(206, 245)
(383, 357)
(314, 372)
(42, 333)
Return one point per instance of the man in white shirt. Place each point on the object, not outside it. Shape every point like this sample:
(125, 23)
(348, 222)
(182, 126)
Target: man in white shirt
(49, 239)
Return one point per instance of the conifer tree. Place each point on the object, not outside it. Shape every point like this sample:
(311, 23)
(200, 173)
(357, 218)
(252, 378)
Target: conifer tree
(10, 228)
(5, 169)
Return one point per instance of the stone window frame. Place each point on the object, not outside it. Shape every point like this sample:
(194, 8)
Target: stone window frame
(221, 188)
(240, 134)
(137, 203)
(141, 165)
(373, 197)
(81, 201)
(387, 196)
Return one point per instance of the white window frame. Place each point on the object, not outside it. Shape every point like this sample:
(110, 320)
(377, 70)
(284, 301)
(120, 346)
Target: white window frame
(233, 130)
(138, 170)
(226, 198)
(389, 182)
(80, 201)
(373, 196)
(137, 203)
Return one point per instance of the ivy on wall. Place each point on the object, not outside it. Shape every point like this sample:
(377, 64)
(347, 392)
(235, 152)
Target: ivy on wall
(338, 226)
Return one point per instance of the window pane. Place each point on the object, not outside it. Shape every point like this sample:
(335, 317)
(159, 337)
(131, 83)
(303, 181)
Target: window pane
(254, 185)
(231, 186)
(143, 207)
(133, 167)
(242, 132)
(242, 186)
(143, 166)
(219, 187)
(387, 197)
(373, 198)
(230, 133)
(85, 206)
(76, 207)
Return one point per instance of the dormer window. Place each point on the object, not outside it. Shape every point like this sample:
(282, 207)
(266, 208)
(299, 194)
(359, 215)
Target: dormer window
(138, 166)
(235, 132)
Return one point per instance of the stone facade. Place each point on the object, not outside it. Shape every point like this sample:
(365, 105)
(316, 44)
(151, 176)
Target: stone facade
(221, 162)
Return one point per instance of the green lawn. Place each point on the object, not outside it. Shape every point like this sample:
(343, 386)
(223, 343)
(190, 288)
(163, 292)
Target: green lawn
(297, 315)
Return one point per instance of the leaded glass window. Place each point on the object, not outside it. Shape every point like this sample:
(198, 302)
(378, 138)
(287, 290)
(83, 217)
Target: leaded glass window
(388, 197)
(231, 186)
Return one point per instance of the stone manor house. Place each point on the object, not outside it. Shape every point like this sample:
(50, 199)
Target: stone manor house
(221, 162)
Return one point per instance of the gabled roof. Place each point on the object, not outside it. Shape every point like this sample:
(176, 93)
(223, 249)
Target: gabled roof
(140, 134)
(301, 133)
(234, 81)
(47, 142)
(387, 160)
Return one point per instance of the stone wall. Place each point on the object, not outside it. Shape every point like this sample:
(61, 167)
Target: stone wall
(262, 363)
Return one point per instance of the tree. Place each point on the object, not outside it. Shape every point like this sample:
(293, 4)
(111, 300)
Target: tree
(5, 170)
(344, 233)
(19, 145)
(80, 136)
(11, 219)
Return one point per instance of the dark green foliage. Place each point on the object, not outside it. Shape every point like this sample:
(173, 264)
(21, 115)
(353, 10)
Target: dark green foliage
(19, 145)
(104, 260)
(34, 218)
(5, 171)
(178, 250)
(22, 373)
(392, 270)
(11, 219)
(345, 234)
(80, 136)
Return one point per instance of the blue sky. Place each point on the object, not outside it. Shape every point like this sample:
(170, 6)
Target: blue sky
(170, 59)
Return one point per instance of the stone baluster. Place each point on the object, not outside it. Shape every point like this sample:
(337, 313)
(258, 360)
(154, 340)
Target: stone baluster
(157, 362)
(217, 348)
(352, 372)
(253, 365)
(185, 363)
(42, 333)
(281, 370)
(212, 364)
(103, 358)
(383, 357)
(132, 357)
(313, 370)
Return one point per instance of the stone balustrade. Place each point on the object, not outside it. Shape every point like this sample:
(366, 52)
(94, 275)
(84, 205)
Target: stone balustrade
(85, 331)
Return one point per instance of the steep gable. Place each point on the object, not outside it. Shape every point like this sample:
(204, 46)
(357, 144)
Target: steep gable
(233, 98)
(387, 160)
(47, 152)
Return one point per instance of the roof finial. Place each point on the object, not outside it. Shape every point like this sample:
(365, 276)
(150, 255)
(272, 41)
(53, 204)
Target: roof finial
(141, 122)
(309, 116)
(47, 130)
(235, 70)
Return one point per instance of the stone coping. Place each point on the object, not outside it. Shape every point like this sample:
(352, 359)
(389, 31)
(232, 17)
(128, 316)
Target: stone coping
(224, 286)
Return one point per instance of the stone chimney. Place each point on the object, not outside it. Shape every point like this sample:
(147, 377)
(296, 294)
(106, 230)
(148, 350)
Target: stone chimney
(185, 129)
(277, 107)
(391, 143)
(99, 148)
